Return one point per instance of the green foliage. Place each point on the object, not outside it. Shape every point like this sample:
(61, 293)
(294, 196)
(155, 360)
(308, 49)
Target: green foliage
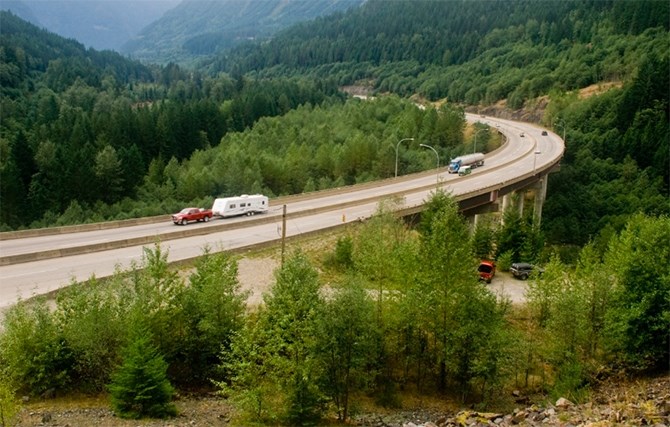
(518, 236)
(9, 404)
(77, 343)
(293, 306)
(617, 159)
(450, 309)
(482, 54)
(569, 382)
(504, 261)
(91, 320)
(483, 239)
(139, 386)
(216, 308)
(97, 127)
(271, 370)
(347, 340)
(638, 321)
(33, 349)
(342, 257)
(248, 368)
(380, 244)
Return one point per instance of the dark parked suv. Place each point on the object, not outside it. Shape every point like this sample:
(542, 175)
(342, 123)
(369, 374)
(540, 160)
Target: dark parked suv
(521, 270)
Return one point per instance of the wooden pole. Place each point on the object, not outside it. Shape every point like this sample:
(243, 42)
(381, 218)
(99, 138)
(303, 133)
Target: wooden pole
(283, 234)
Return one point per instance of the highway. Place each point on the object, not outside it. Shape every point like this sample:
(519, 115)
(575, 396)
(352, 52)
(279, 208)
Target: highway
(520, 157)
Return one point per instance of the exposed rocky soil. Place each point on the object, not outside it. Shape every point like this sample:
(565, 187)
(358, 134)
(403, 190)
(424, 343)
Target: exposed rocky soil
(617, 403)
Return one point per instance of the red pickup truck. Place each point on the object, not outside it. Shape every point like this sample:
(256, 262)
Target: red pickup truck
(191, 214)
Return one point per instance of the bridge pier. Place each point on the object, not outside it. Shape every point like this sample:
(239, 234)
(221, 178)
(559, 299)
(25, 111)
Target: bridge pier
(540, 193)
(506, 202)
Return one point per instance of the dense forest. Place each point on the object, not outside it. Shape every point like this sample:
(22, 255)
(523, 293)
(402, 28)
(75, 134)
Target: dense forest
(193, 30)
(72, 115)
(466, 51)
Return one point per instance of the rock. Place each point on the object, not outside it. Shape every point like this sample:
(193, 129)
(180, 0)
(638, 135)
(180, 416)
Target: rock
(49, 394)
(46, 417)
(25, 399)
(518, 417)
(563, 403)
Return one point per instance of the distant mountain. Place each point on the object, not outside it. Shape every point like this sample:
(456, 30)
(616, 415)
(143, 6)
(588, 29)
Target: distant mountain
(34, 57)
(197, 28)
(100, 24)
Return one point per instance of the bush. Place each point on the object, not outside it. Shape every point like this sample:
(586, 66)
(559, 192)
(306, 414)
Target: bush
(140, 387)
(342, 258)
(9, 406)
(34, 351)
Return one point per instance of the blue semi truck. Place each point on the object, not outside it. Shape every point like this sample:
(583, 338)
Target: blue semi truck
(473, 160)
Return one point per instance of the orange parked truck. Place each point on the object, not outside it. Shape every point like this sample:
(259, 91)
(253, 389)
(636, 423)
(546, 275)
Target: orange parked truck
(487, 269)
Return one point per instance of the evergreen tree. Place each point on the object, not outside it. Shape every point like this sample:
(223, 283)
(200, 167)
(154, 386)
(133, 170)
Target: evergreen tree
(140, 387)
(346, 342)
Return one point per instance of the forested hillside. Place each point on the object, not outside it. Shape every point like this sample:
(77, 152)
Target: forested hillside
(197, 29)
(72, 115)
(467, 51)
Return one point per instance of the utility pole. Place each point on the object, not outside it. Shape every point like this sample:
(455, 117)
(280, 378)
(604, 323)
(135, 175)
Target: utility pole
(283, 234)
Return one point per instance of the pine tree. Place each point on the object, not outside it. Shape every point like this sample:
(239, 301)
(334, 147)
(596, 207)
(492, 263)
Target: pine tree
(140, 387)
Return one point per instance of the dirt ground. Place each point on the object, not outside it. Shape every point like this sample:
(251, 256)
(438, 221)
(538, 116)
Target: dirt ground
(505, 285)
(256, 275)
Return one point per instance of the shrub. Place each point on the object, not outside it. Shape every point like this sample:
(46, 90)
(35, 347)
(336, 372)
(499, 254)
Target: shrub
(34, 351)
(342, 256)
(9, 407)
(140, 387)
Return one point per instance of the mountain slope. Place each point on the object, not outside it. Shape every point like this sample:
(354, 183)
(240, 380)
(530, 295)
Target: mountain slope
(467, 51)
(197, 28)
(100, 24)
(29, 52)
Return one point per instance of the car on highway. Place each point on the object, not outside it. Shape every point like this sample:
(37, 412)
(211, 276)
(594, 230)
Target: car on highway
(486, 270)
(186, 215)
(522, 134)
(544, 133)
(464, 170)
(523, 270)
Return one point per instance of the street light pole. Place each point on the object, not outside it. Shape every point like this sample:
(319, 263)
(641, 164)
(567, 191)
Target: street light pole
(396, 153)
(474, 150)
(562, 123)
(438, 159)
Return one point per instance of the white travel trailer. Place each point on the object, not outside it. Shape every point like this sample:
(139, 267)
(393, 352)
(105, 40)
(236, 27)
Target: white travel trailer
(246, 204)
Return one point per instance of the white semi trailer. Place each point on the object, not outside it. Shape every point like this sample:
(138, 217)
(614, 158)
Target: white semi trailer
(246, 204)
(473, 160)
